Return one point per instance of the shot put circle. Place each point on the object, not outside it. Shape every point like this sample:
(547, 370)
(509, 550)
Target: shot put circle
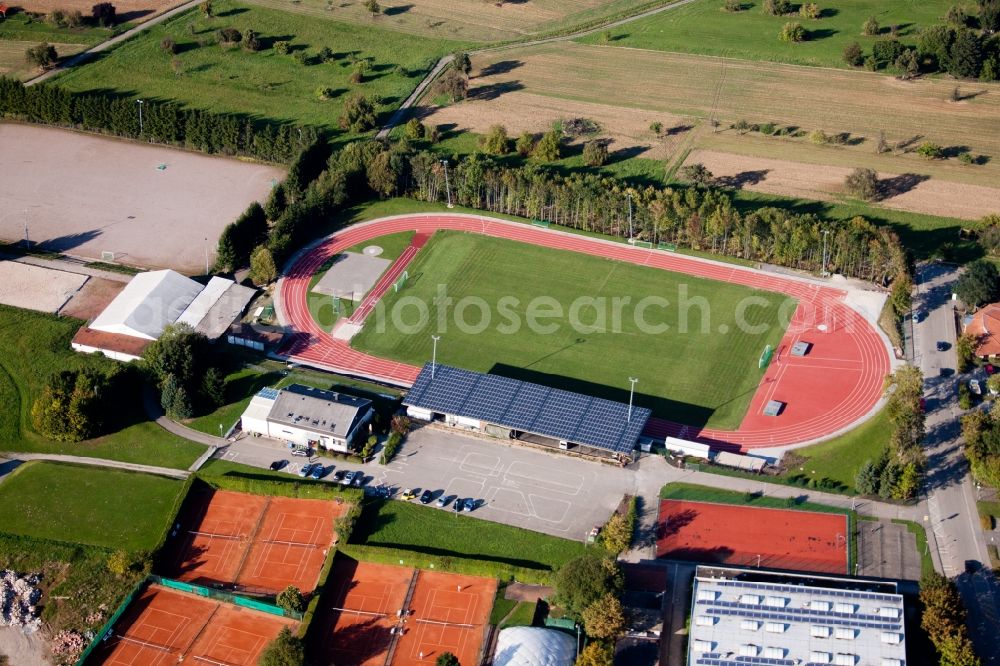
(372, 250)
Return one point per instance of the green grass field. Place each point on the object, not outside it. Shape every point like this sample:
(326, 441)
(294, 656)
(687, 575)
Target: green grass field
(704, 28)
(408, 526)
(695, 377)
(266, 84)
(96, 506)
(35, 345)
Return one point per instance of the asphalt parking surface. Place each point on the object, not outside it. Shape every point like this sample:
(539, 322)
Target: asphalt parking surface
(541, 491)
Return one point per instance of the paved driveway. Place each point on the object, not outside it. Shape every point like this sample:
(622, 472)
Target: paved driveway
(545, 492)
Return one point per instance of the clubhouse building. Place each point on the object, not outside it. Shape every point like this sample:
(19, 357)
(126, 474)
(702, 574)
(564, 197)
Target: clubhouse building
(305, 416)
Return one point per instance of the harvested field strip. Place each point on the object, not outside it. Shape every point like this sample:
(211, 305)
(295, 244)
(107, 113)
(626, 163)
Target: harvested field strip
(861, 103)
(12, 61)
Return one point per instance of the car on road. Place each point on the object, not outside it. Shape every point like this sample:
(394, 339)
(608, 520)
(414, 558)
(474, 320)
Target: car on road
(919, 316)
(426, 497)
(317, 472)
(305, 470)
(942, 345)
(975, 386)
(444, 499)
(305, 453)
(278, 465)
(457, 505)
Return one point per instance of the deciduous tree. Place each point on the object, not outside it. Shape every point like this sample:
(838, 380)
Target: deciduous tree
(358, 114)
(291, 599)
(853, 55)
(871, 27)
(104, 14)
(43, 55)
(605, 618)
(862, 183)
(596, 654)
(285, 650)
(262, 268)
(978, 284)
(582, 581)
(595, 152)
(495, 141)
(548, 148)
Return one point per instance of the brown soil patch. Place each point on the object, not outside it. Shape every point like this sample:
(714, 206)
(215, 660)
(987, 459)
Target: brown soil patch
(136, 11)
(627, 129)
(95, 295)
(814, 181)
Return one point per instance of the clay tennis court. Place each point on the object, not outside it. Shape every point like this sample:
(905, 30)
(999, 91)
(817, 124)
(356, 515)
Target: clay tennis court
(262, 544)
(165, 627)
(291, 544)
(150, 206)
(752, 536)
(358, 609)
(450, 615)
(215, 531)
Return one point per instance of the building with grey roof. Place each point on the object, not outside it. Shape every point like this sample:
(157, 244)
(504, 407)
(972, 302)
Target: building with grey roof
(307, 416)
(741, 617)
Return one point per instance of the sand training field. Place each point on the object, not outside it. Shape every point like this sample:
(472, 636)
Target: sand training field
(37, 288)
(84, 195)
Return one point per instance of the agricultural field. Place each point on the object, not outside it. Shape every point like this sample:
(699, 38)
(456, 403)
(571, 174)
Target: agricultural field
(19, 32)
(35, 345)
(689, 93)
(265, 84)
(96, 506)
(127, 10)
(699, 378)
(705, 28)
(465, 20)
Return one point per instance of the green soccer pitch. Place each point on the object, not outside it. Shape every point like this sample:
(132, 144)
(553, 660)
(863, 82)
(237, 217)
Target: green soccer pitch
(697, 377)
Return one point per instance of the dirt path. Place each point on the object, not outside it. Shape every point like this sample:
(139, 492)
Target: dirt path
(21, 649)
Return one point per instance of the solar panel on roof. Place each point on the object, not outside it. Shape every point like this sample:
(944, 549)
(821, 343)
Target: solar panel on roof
(268, 392)
(528, 407)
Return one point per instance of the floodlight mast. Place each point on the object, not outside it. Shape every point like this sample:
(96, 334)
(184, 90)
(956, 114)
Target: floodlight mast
(447, 185)
(630, 234)
(631, 393)
(140, 103)
(434, 354)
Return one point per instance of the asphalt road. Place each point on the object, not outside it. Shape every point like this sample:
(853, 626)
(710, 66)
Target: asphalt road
(545, 492)
(951, 519)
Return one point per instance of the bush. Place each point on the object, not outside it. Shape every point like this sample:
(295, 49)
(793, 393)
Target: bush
(168, 45)
(414, 129)
(290, 599)
(871, 27)
(301, 57)
(390, 448)
(793, 32)
(819, 137)
(70, 407)
(325, 93)
(229, 36)
(809, 10)
(777, 7)
(44, 55)
(495, 141)
(930, 151)
(964, 396)
(282, 47)
(853, 55)
(548, 148)
(887, 50)
(595, 153)
(325, 55)
(767, 129)
(733, 6)
(862, 183)
(104, 14)
(119, 562)
(358, 114)
(525, 144)
(251, 41)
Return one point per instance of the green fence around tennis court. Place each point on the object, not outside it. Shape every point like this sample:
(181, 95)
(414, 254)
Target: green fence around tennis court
(190, 588)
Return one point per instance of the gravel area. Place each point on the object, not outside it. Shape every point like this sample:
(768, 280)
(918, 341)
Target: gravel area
(36, 288)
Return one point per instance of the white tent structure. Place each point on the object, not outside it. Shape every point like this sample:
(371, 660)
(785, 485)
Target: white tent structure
(534, 646)
(148, 304)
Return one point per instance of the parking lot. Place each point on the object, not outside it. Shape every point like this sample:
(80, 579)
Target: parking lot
(546, 492)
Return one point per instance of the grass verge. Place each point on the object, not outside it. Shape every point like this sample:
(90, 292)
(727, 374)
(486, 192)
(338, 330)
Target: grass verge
(918, 531)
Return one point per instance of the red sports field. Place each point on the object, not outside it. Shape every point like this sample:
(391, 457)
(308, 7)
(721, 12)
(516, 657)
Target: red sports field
(450, 615)
(262, 543)
(291, 544)
(752, 536)
(166, 627)
(359, 608)
(832, 387)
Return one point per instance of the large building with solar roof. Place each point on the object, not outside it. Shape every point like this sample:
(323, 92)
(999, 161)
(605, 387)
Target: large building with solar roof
(532, 413)
(742, 617)
(307, 416)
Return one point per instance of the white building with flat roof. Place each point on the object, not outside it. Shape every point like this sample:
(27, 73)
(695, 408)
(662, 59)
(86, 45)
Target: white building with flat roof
(742, 616)
(307, 416)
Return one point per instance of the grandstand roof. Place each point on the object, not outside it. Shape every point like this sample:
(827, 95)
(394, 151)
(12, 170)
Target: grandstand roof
(148, 304)
(534, 646)
(527, 407)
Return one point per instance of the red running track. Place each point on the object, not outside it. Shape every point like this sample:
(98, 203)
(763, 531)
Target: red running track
(835, 385)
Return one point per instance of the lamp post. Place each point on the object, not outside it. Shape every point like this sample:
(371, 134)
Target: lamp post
(825, 232)
(631, 393)
(434, 354)
(630, 234)
(447, 185)
(140, 103)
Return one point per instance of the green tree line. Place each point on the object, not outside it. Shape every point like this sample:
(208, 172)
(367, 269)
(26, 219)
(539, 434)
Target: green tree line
(162, 122)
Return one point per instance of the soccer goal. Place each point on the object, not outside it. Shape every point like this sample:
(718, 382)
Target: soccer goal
(765, 357)
(669, 247)
(640, 243)
(107, 256)
(400, 282)
(541, 223)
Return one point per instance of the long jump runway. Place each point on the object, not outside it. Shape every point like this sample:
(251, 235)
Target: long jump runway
(835, 385)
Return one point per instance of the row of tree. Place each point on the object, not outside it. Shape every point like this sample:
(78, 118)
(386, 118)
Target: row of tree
(165, 123)
(981, 434)
(944, 621)
(898, 472)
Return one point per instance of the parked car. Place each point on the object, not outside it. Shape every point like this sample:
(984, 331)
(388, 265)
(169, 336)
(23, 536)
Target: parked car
(305, 470)
(338, 476)
(975, 387)
(444, 499)
(468, 504)
(942, 345)
(348, 479)
(919, 316)
(317, 472)
(302, 452)
(594, 531)
(278, 465)
(409, 493)
(426, 497)
(359, 478)
(457, 505)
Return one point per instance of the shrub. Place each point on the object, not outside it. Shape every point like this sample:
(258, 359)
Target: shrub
(871, 63)
(400, 424)
(324, 93)
(373, 7)
(251, 41)
(767, 129)
(809, 10)
(741, 126)
(525, 144)
(656, 128)
(281, 47)
(819, 137)
(777, 7)
(792, 33)
(325, 55)
(301, 57)
(930, 151)
(44, 55)
(104, 14)
(229, 36)
(452, 84)
(595, 153)
(887, 50)
(119, 562)
(733, 6)
(871, 27)
(168, 45)
(964, 396)
(853, 55)
(290, 599)
(548, 148)
(414, 129)
(862, 183)
(390, 448)
(358, 114)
